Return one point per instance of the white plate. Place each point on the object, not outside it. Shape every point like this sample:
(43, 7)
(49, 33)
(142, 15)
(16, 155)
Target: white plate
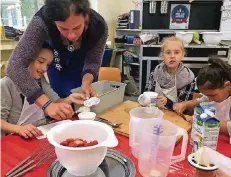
(46, 128)
(192, 162)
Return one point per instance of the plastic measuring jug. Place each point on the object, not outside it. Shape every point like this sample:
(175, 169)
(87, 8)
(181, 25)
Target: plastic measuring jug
(150, 117)
(155, 154)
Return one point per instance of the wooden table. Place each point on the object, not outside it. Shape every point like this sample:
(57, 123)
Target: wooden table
(120, 114)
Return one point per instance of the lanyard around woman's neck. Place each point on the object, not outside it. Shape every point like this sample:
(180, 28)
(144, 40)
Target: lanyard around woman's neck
(72, 46)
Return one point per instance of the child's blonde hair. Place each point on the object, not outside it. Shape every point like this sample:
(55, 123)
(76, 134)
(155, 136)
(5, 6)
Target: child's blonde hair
(171, 38)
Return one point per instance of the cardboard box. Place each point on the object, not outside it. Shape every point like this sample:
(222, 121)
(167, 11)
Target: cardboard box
(198, 110)
(205, 129)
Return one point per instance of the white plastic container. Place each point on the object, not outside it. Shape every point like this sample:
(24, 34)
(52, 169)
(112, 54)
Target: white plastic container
(186, 37)
(212, 38)
(110, 94)
(149, 117)
(155, 155)
(86, 116)
(82, 161)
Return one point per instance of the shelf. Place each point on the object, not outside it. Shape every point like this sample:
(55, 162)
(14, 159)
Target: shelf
(6, 39)
(7, 47)
(127, 44)
(177, 0)
(171, 31)
(133, 30)
(194, 46)
(119, 50)
(185, 58)
(135, 64)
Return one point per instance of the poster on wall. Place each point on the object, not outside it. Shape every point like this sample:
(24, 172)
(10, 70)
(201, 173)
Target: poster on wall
(179, 17)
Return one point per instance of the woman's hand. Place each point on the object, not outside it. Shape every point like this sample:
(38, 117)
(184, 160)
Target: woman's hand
(28, 131)
(88, 91)
(161, 101)
(59, 111)
(76, 98)
(179, 108)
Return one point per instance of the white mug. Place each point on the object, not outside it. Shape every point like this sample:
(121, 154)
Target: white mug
(148, 99)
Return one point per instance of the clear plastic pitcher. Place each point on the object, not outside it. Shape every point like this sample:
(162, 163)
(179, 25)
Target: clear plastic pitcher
(150, 117)
(155, 154)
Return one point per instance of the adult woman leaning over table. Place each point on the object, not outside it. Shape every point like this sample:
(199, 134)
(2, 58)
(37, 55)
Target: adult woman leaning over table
(78, 36)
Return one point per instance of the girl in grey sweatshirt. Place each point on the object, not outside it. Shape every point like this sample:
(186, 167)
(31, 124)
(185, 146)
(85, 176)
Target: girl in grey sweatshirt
(12, 100)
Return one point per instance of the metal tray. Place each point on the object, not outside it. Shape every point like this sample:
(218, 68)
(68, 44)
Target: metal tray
(115, 164)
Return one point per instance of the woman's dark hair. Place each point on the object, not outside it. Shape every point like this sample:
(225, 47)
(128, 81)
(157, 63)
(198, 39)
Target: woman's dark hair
(60, 10)
(214, 75)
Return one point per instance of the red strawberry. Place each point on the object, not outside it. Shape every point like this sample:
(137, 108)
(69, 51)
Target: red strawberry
(64, 143)
(79, 142)
(70, 140)
(72, 144)
(94, 142)
(90, 144)
(87, 145)
(84, 143)
(78, 139)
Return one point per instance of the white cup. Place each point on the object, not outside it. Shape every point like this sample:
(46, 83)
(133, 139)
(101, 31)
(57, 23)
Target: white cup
(87, 116)
(148, 99)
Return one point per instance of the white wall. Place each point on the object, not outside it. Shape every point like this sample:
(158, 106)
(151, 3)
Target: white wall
(111, 9)
(94, 5)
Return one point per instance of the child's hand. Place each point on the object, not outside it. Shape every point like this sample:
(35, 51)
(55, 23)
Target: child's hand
(59, 111)
(161, 101)
(77, 98)
(28, 131)
(179, 108)
(189, 119)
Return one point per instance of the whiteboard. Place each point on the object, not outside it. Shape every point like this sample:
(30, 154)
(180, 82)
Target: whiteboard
(225, 25)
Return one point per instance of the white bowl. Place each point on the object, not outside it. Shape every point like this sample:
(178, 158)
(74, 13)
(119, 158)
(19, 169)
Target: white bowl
(212, 38)
(82, 161)
(87, 116)
(186, 37)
